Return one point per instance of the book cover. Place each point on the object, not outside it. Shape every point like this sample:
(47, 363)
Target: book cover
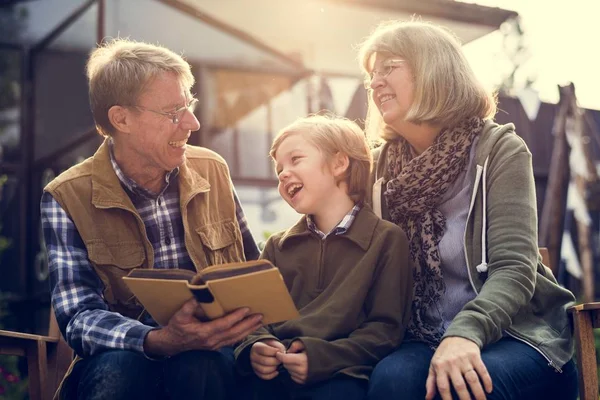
(219, 289)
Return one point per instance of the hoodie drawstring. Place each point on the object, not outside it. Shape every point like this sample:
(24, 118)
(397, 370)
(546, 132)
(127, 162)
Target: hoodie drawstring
(483, 267)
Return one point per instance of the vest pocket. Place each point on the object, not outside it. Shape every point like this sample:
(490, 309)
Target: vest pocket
(112, 262)
(219, 242)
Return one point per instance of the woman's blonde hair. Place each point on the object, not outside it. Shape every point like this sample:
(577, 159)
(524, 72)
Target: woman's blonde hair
(119, 70)
(446, 90)
(332, 135)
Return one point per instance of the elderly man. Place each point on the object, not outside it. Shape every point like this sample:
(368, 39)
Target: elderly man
(144, 200)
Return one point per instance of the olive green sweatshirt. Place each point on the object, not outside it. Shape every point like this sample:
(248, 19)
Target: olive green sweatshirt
(516, 294)
(353, 291)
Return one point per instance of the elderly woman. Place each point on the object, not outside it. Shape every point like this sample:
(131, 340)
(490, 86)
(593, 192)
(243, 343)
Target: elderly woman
(488, 318)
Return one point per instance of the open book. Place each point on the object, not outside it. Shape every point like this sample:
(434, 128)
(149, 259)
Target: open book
(219, 289)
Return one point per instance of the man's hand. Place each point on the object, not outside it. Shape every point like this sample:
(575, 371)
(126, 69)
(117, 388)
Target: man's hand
(263, 360)
(455, 361)
(186, 332)
(295, 361)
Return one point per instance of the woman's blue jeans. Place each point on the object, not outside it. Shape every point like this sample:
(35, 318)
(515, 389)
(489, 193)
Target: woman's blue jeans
(122, 374)
(518, 372)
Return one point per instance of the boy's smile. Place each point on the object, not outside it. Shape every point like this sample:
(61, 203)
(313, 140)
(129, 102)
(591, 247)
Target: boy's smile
(293, 188)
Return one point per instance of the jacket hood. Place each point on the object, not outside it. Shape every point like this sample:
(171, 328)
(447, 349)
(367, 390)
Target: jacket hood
(490, 135)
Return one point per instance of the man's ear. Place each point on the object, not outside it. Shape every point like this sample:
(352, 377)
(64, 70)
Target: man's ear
(340, 164)
(120, 118)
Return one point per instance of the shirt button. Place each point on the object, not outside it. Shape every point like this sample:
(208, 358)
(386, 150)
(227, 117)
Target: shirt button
(167, 240)
(160, 201)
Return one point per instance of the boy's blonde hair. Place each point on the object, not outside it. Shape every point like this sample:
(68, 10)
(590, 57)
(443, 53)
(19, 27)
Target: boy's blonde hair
(332, 135)
(446, 90)
(119, 70)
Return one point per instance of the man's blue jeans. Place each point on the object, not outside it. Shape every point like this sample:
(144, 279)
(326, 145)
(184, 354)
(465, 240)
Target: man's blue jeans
(518, 372)
(121, 374)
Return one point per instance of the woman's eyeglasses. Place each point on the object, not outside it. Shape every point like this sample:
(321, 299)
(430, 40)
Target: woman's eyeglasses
(386, 68)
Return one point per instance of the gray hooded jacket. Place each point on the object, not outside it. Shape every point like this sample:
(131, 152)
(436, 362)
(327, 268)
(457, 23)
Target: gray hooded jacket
(516, 294)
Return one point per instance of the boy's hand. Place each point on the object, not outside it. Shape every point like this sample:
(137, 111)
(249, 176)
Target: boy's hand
(295, 361)
(263, 360)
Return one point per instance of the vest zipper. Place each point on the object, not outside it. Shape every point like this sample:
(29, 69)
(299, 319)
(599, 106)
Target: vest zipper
(320, 271)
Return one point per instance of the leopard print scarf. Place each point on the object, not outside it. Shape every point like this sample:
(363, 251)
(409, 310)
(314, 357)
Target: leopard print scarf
(417, 186)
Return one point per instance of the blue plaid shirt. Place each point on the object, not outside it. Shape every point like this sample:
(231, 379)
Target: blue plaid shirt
(340, 228)
(82, 314)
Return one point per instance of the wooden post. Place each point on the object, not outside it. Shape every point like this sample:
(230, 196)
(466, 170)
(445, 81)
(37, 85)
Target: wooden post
(553, 209)
(583, 228)
(560, 175)
(585, 252)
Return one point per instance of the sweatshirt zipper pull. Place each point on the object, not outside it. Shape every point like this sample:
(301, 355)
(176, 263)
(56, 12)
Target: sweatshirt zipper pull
(553, 365)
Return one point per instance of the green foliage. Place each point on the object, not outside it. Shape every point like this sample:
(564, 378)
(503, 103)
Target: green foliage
(4, 242)
(266, 235)
(11, 385)
(12, 18)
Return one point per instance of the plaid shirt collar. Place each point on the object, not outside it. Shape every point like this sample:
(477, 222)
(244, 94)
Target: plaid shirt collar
(130, 184)
(339, 229)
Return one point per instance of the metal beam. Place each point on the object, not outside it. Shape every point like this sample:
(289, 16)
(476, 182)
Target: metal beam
(452, 10)
(260, 69)
(67, 22)
(26, 142)
(222, 26)
(29, 210)
(100, 21)
(8, 3)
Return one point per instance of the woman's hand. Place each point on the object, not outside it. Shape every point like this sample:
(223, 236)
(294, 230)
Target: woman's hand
(263, 360)
(457, 362)
(295, 361)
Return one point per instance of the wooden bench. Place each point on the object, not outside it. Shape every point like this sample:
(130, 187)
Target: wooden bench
(48, 358)
(586, 317)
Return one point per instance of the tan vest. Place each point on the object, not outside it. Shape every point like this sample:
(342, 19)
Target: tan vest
(115, 236)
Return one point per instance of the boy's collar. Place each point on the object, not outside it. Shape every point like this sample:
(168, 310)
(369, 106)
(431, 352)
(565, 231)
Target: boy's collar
(342, 226)
(360, 232)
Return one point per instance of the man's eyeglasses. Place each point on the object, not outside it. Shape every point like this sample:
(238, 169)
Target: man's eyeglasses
(176, 115)
(386, 68)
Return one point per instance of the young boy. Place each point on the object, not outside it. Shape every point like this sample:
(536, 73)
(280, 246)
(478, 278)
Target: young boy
(347, 270)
